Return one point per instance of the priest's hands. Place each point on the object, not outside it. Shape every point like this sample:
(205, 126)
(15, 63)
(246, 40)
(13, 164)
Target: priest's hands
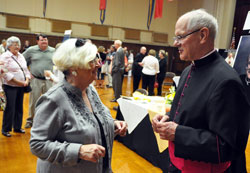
(91, 152)
(164, 127)
(120, 127)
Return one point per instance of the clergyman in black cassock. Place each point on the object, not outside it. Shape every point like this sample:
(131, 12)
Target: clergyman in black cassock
(208, 125)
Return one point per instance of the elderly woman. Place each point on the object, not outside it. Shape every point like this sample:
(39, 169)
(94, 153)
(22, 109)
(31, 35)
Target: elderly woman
(150, 68)
(73, 131)
(14, 82)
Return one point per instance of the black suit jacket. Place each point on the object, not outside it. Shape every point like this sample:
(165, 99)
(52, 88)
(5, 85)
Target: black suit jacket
(163, 67)
(136, 68)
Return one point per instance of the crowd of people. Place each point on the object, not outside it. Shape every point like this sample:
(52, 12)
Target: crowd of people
(118, 61)
(36, 66)
(72, 130)
(85, 135)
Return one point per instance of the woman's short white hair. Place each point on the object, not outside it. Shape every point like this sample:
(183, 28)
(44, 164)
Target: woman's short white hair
(200, 18)
(11, 40)
(69, 56)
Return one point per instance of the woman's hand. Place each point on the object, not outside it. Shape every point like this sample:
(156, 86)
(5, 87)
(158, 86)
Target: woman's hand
(19, 82)
(26, 83)
(120, 127)
(91, 152)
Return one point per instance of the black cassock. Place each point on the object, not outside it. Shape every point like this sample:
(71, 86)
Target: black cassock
(213, 114)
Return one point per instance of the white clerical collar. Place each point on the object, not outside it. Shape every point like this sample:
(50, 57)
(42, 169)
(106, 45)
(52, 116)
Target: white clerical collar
(209, 53)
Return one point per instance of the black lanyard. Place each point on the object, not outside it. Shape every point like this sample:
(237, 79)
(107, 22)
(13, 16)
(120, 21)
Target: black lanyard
(19, 66)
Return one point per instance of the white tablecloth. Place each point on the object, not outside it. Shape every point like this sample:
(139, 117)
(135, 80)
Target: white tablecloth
(134, 111)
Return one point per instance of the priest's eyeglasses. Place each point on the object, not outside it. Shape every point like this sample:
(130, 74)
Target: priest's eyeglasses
(178, 38)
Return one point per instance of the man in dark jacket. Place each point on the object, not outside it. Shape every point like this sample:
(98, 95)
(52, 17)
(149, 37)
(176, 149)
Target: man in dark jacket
(137, 69)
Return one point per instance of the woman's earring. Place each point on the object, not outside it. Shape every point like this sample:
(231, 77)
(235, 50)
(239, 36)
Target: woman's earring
(74, 73)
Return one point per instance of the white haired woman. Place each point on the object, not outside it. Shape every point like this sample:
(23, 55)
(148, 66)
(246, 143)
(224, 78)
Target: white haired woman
(73, 131)
(14, 81)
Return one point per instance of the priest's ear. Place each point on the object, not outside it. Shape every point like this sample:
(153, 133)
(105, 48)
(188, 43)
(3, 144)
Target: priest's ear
(204, 35)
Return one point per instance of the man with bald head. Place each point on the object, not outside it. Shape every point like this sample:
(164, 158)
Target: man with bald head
(208, 125)
(137, 69)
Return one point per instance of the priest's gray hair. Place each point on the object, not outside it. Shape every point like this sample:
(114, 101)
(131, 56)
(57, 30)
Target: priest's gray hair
(200, 18)
(11, 40)
(69, 56)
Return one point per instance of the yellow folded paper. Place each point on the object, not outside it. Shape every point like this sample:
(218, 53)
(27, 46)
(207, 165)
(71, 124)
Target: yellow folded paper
(154, 109)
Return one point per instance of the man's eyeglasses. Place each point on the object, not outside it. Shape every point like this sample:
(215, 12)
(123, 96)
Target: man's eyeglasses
(80, 42)
(180, 37)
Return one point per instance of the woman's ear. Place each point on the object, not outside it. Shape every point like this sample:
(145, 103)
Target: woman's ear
(72, 72)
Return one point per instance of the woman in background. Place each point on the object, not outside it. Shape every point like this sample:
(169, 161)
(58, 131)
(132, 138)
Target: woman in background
(150, 68)
(109, 58)
(26, 45)
(14, 80)
(101, 71)
(163, 69)
(73, 131)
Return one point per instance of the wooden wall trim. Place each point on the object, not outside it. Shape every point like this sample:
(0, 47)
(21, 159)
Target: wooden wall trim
(160, 37)
(99, 30)
(132, 34)
(60, 26)
(174, 63)
(19, 22)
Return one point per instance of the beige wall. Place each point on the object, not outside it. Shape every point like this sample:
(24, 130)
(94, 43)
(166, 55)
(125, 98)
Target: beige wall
(119, 14)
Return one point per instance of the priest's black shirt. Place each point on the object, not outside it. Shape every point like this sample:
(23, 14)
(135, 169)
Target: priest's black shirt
(212, 111)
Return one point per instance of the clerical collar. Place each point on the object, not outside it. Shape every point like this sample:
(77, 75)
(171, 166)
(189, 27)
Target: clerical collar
(205, 59)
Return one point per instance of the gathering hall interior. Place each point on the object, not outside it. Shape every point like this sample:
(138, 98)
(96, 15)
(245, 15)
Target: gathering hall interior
(137, 25)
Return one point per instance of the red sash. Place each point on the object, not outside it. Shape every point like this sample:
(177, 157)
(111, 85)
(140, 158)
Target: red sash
(188, 166)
